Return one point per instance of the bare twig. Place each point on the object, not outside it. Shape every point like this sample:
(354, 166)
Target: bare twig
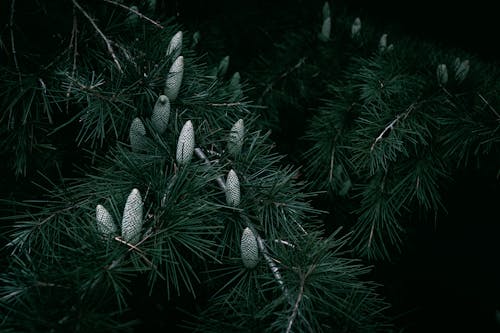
(12, 42)
(391, 125)
(270, 86)
(142, 16)
(226, 104)
(103, 36)
(295, 310)
(489, 105)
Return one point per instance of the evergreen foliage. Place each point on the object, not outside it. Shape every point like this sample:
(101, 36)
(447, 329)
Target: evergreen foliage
(154, 211)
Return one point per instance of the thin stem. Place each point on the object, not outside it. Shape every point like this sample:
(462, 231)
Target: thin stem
(489, 105)
(391, 125)
(295, 310)
(73, 44)
(142, 16)
(201, 155)
(12, 42)
(103, 36)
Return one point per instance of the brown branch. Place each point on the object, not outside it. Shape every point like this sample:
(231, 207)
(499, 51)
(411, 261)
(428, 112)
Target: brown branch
(295, 310)
(12, 42)
(103, 36)
(142, 16)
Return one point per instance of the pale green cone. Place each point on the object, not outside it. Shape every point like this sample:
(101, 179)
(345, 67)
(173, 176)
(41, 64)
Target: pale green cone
(132, 217)
(462, 71)
(249, 249)
(174, 48)
(356, 28)
(161, 114)
(326, 10)
(174, 79)
(326, 28)
(382, 43)
(185, 144)
(232, 189)
(137, 134)
(442, 74)
(223, 66)
(235, 86)
(236, 136)
(196, 39)
(105, 223)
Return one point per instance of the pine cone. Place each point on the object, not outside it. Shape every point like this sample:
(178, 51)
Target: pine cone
(382, 44)
(356, 28)
(223, 66)
(132, 217)
(174, 48)
(462, 71)
(105, 223)
(232, 189)
(161, 113)
(236, 136)
(326, 10)
(326, 29)
(249, 249)
(185, 144)
(442, 74)
(174, 78)
(137, 135)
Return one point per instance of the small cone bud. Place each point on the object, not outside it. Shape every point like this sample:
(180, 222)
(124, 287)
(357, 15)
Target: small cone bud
(223, 66)
(442, 74)
(249, 249)
(174, 48)
(196, 39)
(382, 44)
(356, 28)
(161, 113)
(326, 29)
(235, 86)
(185, 144)
(232, 189)
(137, 134)
(132, 217)
(462, 71)
(326, 10)
(236, 137)
(105, 223)
(174, 79)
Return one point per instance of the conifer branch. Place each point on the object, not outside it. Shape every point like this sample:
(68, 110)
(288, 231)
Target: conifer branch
(142, 16)
(392, 124)
(103, 36)
(260, 242)
(12, 42)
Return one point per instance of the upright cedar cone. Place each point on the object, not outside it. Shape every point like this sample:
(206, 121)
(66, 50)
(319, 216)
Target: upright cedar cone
(137, 134)
(236, 136)
(382, 43)
(105, 222)
(356, 28)
(462, 70)
(174, 48)
(442, 74)
(161, 113)
(326, 28)
(232, 189)
(132, 217)
(223, 66)
(249, 249)
(174, 78)
(185, 144)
